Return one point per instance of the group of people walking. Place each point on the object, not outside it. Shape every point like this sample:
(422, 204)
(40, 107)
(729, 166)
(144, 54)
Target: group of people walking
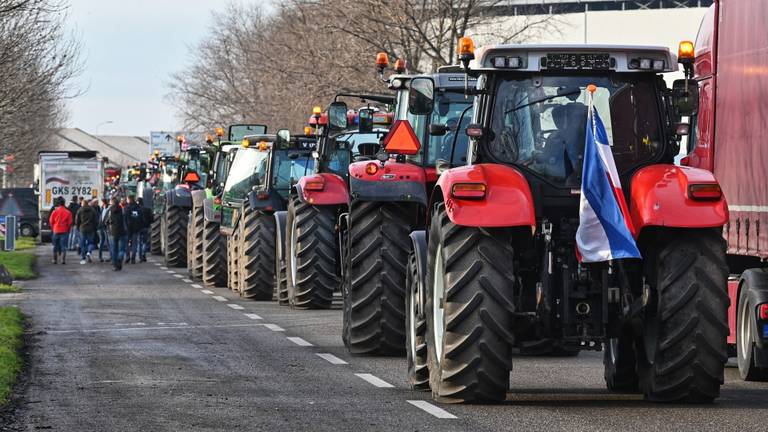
(118, 225)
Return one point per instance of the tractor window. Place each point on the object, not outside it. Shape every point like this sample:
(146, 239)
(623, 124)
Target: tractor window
(247, 170)
(419, 124)
(350, 147)
(449, 107)
(540, 124)
(200, 165)
(289, 168)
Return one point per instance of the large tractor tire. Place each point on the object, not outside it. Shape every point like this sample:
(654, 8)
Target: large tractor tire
(685, 323)
(746, 337)
(195, 243)
(214, 256)
(416, 330)
(155, 237)
(281, 277)
(257, 255)
(175, 232)
(233, 246)
(469, 311)
(374, 307)
(311, 254)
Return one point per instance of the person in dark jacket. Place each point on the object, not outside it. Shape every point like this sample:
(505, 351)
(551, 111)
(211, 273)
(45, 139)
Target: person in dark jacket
(74, 234)
(118, 234)
(87, 221)
(103, 229)
(61, 223)
(135, 223)
(148, 217)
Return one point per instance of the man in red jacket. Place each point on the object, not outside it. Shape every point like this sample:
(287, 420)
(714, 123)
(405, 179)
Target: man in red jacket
(60, 222)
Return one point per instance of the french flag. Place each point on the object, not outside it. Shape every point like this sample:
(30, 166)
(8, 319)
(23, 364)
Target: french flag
(605, 229)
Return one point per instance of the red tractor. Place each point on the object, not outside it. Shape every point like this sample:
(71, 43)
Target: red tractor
(309, 255)
(389, 200)
(497, 264)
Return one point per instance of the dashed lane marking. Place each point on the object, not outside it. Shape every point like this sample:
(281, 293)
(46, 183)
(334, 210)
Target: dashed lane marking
(274, 327)
(332, 359)
(206, 291)
(235, 306)
(129, 324)
(431, 409)
(197, 286)
(163, 268)
(172, 323)
(126, 329)
(219, 298)
(187, 280)
(299, 341)
(372, 379)
(177, 275)
(252, 316)
(170, 271)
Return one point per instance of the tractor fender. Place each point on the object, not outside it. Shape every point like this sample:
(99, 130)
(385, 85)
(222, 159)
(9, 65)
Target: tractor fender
(419, 245)
(148, 196)
(507, 203)
(198, 195)
(755, 281)
(335, 190)
(210, 213)
(395, 181)
(178, 197)
(659, 197)
(270, 203)
(280, 218)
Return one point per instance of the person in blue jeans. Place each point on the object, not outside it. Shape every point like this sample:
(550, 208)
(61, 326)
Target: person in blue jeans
(60, 221)
(134, 221)
(118, 234)
(103, 230)
(87, 221)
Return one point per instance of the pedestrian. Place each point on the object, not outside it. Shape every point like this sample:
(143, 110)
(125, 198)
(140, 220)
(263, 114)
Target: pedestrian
(74, 238)
(61, 223)
(87, 221)
(148, 217)
(117, 231)
(135, 223)
(103, 229)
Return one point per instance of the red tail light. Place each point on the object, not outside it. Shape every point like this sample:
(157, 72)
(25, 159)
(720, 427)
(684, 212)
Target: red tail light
(470, 191)
(217, 201)
(762, 311)
(263, 196)
(317, 184)
(371, 168)
(705, 192)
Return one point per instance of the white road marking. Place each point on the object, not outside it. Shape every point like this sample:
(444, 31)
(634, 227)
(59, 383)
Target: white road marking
(235, 306)
(376, 381)
(196, 286)
(178, 275)
(157, 263)
(163, 268)
(170, 271)
(219, 298)
(274, 327)
(428, 407)
(172, 323)
(206, 291)
(129, 324)
(299, 341)
(332, 359)
(252, 316)
(187, 280)
(150, 328)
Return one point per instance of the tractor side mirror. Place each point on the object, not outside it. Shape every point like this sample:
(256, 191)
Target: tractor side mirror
(437, 129)
(421, 97)
(685, 97)
(337, 116)
(366, 120)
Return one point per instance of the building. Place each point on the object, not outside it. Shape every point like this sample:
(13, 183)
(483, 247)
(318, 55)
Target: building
(120, 151)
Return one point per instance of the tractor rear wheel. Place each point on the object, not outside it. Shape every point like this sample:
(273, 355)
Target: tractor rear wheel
(685, 323)
(257, 255)
(232, 263)
(155, 237)
(215, 268)
(377, 264)
(745, 339)
(281, 282)
(469, 311)
(195, 243)
(176, 236)
(416, 329)
(311, 252)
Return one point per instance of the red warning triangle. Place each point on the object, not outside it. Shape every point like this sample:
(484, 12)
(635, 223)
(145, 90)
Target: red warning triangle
(401, 139)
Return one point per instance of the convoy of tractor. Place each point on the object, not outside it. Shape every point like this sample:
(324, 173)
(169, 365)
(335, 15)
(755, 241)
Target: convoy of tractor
(447, 216)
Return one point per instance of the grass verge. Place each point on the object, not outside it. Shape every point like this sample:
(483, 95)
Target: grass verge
(11, 330)
(20, 264)
(5, 289)
(25, 243)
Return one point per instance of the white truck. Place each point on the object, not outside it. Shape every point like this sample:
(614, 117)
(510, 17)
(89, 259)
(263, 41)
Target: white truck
(67, 174)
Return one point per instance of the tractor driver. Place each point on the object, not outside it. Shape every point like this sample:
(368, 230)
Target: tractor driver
(562, 155)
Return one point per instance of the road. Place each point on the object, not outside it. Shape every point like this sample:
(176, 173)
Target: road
(147, 349)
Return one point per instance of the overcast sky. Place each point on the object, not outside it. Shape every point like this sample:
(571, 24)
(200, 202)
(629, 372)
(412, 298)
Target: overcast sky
(130, 49)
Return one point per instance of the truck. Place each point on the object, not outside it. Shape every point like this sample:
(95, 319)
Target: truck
(67, 174)
(727, 137)
(497, 264)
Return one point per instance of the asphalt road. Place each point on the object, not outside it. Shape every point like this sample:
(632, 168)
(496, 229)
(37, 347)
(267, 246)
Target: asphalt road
(147, 349)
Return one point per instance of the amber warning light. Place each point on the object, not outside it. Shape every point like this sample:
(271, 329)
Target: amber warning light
(685, 51)
(382, 61)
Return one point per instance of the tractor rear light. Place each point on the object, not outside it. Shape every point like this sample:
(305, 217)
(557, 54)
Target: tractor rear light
(217, 200)
(371, 168)
(470, 191)
(315, 184)
(262, 196)
(705, 192)
(475, 130)
(762, 311)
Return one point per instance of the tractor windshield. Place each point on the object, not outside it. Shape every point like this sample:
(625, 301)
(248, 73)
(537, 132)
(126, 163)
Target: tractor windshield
(168, 175)
(539, 123)
(248, 169)
(449, 107)
(290, 166)
(351, 147)
(199, 164)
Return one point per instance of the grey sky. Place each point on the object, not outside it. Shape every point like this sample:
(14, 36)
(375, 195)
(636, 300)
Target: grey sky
(130, 49)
